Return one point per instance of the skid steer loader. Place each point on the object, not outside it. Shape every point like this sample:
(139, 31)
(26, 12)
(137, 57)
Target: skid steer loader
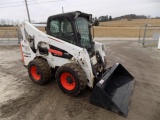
(68, 51)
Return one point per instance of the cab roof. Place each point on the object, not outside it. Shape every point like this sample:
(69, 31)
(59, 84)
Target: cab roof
(72, 15)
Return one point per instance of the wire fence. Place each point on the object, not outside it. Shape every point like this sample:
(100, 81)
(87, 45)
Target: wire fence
(10, 36)
(149, 35)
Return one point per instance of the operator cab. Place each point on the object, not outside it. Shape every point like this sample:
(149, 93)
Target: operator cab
(73, 27)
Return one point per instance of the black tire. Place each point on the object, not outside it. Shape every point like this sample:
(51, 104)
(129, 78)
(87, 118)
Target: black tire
(75, 78)
(42, 69)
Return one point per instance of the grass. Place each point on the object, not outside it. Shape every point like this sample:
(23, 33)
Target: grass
(121, 28)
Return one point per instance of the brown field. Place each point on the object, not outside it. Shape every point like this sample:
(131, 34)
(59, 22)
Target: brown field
(125, 28)
(121, 28)
(8, 32)
(132, 23)
(116, 31)
(11, 32)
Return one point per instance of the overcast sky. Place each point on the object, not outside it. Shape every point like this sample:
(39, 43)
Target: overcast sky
(40, 12)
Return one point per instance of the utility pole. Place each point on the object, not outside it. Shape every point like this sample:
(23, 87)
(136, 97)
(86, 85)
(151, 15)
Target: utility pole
(27, 11)
(62, 10)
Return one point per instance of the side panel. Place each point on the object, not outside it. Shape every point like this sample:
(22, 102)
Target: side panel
(54, 61)
(101, 48)
(27, 53)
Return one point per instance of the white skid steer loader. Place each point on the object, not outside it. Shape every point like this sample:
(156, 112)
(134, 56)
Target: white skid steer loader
(67, 49)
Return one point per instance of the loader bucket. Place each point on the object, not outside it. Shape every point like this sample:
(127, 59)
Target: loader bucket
(114, 90)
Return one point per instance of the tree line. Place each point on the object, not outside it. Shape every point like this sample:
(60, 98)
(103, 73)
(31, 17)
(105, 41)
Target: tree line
(101, 19)
(8, 22)
(132, 16)
(96, 20)
(124, 17)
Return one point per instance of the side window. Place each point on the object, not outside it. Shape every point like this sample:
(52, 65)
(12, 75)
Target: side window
(66, 26)
(67, 31)
(62, 28)
(83, 28)
(54, 27)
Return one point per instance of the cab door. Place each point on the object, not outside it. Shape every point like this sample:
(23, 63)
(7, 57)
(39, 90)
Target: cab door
(62, 28)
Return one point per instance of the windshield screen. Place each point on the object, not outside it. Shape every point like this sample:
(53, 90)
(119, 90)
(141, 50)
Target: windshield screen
(83, 29)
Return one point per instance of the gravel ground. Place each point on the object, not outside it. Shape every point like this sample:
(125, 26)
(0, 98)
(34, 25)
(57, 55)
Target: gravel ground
(21, 99)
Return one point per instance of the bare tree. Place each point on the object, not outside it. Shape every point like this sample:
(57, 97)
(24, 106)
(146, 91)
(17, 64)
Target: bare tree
(13, 23)
(3, 22)
(17, 22)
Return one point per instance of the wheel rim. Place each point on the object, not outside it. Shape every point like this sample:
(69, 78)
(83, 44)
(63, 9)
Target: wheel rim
(35, 73)
(67, 81)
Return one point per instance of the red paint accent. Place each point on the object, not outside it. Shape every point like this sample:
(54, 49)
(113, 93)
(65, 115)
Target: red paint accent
(34, 73)
(55, 52)
(22, 53)
(64, 82)
(55, 40)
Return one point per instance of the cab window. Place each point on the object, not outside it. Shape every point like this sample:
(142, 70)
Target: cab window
(62, 29)
(54, 27)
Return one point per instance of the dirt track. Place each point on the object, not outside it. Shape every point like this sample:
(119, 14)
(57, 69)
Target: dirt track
(21, 99)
